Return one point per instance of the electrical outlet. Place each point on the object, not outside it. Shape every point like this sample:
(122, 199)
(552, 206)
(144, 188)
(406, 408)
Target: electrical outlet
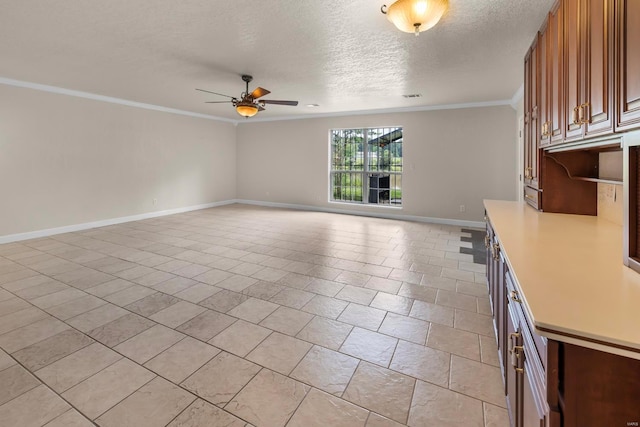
(155, 202)
(462, 208)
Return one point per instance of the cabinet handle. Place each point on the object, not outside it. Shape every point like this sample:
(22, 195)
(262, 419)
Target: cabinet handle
(515, 352)
(545, 129)
(496, 251)
(528, 173)
(576, 116)
(486, 241)
(584, 112)
(580, 114)
(514, 296)
(512, 347)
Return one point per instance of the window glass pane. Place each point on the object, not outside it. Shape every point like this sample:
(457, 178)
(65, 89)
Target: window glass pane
(374, 154)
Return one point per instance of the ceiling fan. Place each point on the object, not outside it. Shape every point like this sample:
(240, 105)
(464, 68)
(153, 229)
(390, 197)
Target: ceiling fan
(248, 104)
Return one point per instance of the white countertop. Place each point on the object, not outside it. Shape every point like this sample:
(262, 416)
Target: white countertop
(571, 275)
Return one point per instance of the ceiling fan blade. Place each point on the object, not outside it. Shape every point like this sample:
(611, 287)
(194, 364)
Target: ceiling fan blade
(259, 92)
(215, 93)
(272, 101)
(218, 102)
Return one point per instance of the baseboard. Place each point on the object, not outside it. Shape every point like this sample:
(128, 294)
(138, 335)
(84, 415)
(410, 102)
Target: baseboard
(102, 223)
(377, 214)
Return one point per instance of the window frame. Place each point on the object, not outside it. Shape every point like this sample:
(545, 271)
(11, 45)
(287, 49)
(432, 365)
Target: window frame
(366, 172)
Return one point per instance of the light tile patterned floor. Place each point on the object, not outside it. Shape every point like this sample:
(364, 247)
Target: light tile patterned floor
(248, 316)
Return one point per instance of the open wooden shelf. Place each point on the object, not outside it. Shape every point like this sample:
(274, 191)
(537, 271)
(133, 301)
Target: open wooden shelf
(599, 180)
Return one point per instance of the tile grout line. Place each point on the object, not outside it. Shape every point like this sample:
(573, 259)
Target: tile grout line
(186, 249)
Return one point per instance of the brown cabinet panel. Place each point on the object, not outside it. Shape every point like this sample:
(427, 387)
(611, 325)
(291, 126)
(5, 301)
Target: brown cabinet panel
(628, 64)
(544, 87)
(513, 381)
(531, 117)
(527, 117)
(535, 115)
(600, 389)
(598, 47)
(588, 54)
(532, 415)
(555, 76)
(574, 71)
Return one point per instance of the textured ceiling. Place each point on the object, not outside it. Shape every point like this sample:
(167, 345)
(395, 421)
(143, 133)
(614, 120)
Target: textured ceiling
(343, 55)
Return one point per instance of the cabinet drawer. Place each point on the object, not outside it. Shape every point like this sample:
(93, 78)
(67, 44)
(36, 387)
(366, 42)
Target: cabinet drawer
(532, 197)
(539, 342)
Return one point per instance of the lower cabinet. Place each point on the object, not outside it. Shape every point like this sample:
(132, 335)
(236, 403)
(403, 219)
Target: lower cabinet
(550, 383)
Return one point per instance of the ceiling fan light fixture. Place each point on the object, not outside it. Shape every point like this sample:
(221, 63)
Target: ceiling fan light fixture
(415, 16)
(246, 109)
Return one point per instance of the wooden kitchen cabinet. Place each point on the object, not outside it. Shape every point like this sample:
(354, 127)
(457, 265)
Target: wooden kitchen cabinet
(555, 67)
(544, 116)
(531, 134)
(531, 124)
(548, 382)
(588, 68)
(496, 272)
(534, 129)
(525, 369)
(628, 65)
(522, 370)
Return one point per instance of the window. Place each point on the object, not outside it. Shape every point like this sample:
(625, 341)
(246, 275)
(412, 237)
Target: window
(366, 166)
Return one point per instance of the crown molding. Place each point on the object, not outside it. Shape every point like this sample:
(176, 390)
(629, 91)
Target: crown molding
(109, 99)
(383, 111)
(102, 98)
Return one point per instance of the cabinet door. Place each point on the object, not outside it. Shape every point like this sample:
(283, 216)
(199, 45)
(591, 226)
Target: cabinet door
(500, 315)
(597, 106)
(573, 75)
(527, 118)
(628, 65)
(535, 112)
(543, 73)
(513, 378)
(531, 414)
(555, 76)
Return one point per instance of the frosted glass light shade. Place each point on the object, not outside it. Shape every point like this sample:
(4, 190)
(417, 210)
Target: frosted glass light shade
(415, 16)
(247, 109)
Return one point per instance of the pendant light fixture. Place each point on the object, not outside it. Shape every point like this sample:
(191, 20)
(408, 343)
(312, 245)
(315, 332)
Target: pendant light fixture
(415, 16)
(246, 109)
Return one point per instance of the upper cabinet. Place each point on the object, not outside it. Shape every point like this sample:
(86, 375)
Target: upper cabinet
(588, 68)
(531, 116)
(628, 64)
(544, 116)
(533, 129)
(555, 76)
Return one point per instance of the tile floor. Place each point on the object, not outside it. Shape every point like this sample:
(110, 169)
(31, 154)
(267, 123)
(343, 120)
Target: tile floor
(245, 316)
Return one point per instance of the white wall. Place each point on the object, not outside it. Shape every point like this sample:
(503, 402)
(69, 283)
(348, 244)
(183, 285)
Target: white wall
(67, 160)
(451, 158)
